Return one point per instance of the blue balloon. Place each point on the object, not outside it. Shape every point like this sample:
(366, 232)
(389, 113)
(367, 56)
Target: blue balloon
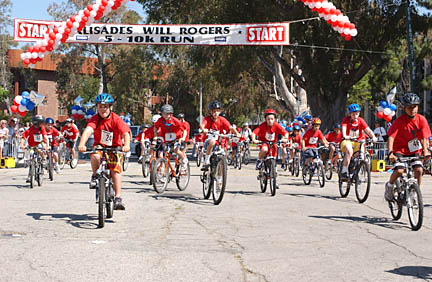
(393, 107)
(30, 105)
(24, 102)
(25, 94)
(384, 104)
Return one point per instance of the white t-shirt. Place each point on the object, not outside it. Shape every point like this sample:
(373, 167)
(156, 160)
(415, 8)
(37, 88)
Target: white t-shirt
(3, 132)
(380, 132)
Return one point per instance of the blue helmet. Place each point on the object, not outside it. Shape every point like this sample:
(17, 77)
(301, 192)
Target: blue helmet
(354, 108)
(49, 120)
(104, 98)
(296, 127)
(289, 129)
(308, 117)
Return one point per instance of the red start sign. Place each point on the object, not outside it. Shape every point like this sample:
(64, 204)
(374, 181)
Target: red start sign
(32, 30)
(271, 34)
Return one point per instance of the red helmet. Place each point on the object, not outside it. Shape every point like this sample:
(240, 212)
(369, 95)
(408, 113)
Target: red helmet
(316, 121)
(269, 112)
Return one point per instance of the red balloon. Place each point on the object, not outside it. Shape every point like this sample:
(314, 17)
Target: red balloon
(49, 48)
(98, 15)
(50, 42)
(69, 24)
(14, 108)
(30, 49)
(348, 37)
(33, 61)
(84, 19)
(101, 9)
(55, 29)
(72, 19)
(26, 62)
(380, 114)
(387, 118)
(90, 7)
(22, 113)
(104, 2)
(52, 35)
(36, 49)
(86, 13)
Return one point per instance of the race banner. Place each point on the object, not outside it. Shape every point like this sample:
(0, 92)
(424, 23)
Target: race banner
(190, 34)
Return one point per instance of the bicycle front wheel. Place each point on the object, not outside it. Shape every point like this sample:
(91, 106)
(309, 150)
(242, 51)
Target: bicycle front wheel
(206, 181)
(307, 175)
(328, 171)
(246, 157)
(62, 158)
(239, 161)
(263, 179)
(219, 177)
(272, 176)
(415, 206)
(183, 177)
(296, 167)
(362, 182)
(109, 202)
(50, 166)
(101, 202)
(198, 159)
(125, 163)
(160, 175)
(32, 173)
(343, 189)
(321, 175)
(145, 167)
(39, 174)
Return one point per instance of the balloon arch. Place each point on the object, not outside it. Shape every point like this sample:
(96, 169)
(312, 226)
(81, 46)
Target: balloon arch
(93, 12)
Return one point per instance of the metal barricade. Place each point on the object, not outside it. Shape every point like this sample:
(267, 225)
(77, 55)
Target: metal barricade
(378, 150)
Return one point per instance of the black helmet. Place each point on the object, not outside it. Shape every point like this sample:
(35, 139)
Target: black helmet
(223, 115)
(38, 119)
(181, 115)
(167, 108)
(337, 126)
(213, 105)
(409, 99)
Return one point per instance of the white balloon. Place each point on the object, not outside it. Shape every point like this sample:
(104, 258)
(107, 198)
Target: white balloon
(346, 31)
(380, 109)
(59, 36)
(110, 3)
(18, 99)
(354, 32)
(34, 55)
(93, 14)
(74, 112)
(345, 19)
(23, 56)
(76, 25)
(98, 2)
(318, 5)
(95, 7)
(324, 4)
(28, 55)
(333, 18)
(326, 17)
(107, 10)
(81, 13)
(78, 18)
(387, 111)
(44, 42)
(32, 66)
(61, 30)
(21, 108)
(393, 113)
(56, 45)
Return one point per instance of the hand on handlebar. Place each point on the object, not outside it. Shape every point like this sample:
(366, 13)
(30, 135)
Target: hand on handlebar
(126, 148)
(82, 148)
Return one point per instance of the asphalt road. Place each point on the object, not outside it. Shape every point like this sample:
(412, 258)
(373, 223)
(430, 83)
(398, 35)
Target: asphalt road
(304, 233)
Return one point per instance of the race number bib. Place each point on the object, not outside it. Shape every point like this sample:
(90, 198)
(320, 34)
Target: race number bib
(37, 137)
(414, 145)
(212, 135)
(270, 136)
(354, 133)
(313, 140)
(50, 138)
(236, 139)
(107, 138)
(170, 136)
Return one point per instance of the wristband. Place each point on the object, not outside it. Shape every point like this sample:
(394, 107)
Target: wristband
(389, 153)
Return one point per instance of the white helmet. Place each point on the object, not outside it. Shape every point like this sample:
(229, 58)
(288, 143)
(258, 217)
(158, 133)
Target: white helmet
(155, 118)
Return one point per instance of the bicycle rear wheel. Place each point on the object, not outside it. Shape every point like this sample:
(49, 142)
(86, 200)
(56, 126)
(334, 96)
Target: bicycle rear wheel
(415, 206)
(50, 166)
(343, 189)
(321, 175)
(306, 174)
(219, 177)
(206, 180)
(160, 175)
(39, 173)
(125, 163)
(328, 171)
(32, 173)
(145, 167)
(362, 182)
(62, 157)
(183, 177)
(101, 202)
(272, 176)
(263, 179)
(109, 203)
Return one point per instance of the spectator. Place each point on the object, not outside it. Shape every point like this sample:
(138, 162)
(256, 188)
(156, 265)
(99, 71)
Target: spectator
(380, 132)
(3, 135)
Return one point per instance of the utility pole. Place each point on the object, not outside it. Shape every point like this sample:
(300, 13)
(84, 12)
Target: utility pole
(410, 48)
(201, 116)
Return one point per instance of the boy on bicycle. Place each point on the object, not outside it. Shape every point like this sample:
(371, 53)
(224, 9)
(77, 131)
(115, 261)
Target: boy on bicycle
(310, 140)
(170, 129)
(286, 148)
(407, 136)
(268, 131)
(334, 137)
(353, 129)
(217, 123)
(36, 135)
(70, 133)
(53, 136)
(109, 130)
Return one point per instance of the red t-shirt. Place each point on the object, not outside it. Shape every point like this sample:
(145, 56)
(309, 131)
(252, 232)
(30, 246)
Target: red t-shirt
(333, 137)
(70, 133)
(34, 135)
(297, 139)
(149, 133)
(267, 133)
(108, 132)
(198, 138)
(407, 134)
(52, 135)
(186, 126)
(354, 129)
(311, 138)
(221, 124)
(169, 130)
(138, 138)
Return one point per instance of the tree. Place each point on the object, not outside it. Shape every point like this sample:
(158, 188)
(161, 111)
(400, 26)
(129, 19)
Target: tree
(5, 43)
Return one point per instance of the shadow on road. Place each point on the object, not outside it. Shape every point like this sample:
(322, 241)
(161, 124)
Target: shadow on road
(422, 272)
(377, 221)
(27, 186)
(183, 197)
(334, 198)
(83, 221)
(255, 193)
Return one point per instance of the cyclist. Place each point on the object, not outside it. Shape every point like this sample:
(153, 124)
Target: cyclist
(246, 131)
(214, 122)
(268, 131)
(334, 136)
(53, 136)
(353, 129)
(235, 145)
(285, 147)
(308, 124)
(70, 133)
(310, 140)
(186, 125)
(407, 136)
(109, 130)
(170, 129)
(35, 135)
(141, 139)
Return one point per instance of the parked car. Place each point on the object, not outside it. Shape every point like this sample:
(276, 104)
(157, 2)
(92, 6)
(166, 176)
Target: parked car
(135, 147)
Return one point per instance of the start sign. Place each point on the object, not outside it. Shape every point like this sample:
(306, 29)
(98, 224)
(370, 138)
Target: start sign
(272, 34)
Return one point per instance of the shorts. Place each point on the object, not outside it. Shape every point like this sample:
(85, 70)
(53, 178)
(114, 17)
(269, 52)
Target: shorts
(355, 145)
(54, 149)
(114, 161)
(414, 164)
(310, 153)
(273, 149)
(1, 143)
(70, 144)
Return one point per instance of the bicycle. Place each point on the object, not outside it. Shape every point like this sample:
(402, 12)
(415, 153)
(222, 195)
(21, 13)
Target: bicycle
(125, 161)
(237, 160)
(359, 175)
(146, 157)
(267, 172)
(163, 171)
(329, 164)
(294, 165)
(51, 163)
(36, 169)
(200, 153)
(65, 156)
(407, 193)
(246, 152)
(214, 179)
(104, 186)
(316, 165)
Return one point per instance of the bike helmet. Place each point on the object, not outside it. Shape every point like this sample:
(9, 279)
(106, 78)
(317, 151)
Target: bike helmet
(104, 98)
(269, 112)
(213, 105)
(223, 115)
(289, 129)
(409, 99)
(308, 117)
(354, 108)
(316, 121)
(49, 120)
(69, 120)
(245, 124)
(38, 120)
(155, 118)
(167, 109)
(145, 126)
(296, 127)
(337, 126)
(181, 115)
